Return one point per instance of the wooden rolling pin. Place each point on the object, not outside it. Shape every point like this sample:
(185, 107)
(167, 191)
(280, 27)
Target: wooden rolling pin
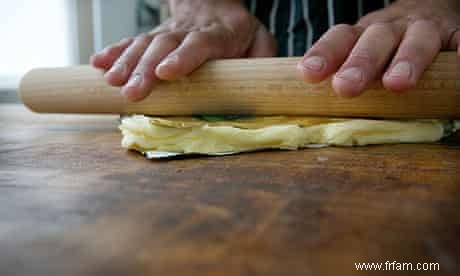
(244, 86)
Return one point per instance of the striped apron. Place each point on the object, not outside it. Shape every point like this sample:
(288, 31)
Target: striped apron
(297, 24)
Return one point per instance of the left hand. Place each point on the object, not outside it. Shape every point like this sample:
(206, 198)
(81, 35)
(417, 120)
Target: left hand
(395, 44)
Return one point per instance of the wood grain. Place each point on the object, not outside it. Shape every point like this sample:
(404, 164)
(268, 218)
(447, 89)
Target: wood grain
(245, 86)
(72, 202)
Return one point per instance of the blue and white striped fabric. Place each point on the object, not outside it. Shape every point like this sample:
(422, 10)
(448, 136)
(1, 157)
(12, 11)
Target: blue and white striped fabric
(297, 24)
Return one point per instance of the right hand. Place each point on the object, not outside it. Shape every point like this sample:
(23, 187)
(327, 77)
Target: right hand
(198, 31)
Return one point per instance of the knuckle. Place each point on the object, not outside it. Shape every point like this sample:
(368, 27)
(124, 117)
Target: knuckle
(429, 25)
(381, 26)
(142, 37)
(143, 70)
(125, 41)
(199, 35)
(161, 36)
(371, 17)
(200, 38)
(363, 55)
(168, 37)
(344, 28)
(179, 24)
(243, 19)
(384, 29)
(243, 16)
(141, 67)
(162, 28)
(112, 51)
(126, 60)
(347, 31)
(210, 45)
(324, 46)
(122, 62)
(117, 49)
(430, 29)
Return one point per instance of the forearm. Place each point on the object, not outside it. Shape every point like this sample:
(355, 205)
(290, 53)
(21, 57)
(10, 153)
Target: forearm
(180, 6)
(453, 5)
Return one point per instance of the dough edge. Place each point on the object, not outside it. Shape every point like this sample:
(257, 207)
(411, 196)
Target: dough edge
(188, 135)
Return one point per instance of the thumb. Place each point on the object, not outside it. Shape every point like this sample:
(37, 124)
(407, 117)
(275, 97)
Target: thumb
(263, 44)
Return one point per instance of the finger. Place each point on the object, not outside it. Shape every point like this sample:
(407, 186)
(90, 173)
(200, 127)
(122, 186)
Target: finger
(106, 58)
(196, 48)
(367, 59)
(328, 53)
(121, 70)
(143, 77)
(263, 45)
(388, 14)
(457, 39)
(421, 44)
(454, 43)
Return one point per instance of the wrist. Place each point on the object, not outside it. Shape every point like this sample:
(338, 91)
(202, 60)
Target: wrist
(448, 4)
(184, 6)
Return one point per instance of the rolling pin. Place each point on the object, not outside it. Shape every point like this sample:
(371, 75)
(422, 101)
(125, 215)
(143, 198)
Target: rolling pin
(268, 86)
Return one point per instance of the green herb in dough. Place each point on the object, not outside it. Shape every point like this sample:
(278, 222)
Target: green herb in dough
(220, 118)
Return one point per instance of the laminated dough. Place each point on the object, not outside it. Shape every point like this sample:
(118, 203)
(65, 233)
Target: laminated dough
(213, 135)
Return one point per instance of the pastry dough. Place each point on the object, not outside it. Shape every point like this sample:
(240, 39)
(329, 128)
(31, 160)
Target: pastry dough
(184, 135)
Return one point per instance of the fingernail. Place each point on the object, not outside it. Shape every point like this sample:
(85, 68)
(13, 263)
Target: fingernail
(314, 63)
(135, 81)
(354, 74)
(401, 70)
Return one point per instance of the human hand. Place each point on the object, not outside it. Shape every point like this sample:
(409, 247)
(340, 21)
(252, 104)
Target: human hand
(406, 36)
(197, 31)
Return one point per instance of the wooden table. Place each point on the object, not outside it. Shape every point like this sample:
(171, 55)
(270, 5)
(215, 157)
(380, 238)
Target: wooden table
(72, 202)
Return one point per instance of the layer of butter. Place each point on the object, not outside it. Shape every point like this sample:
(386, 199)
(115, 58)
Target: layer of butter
(189, 135)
